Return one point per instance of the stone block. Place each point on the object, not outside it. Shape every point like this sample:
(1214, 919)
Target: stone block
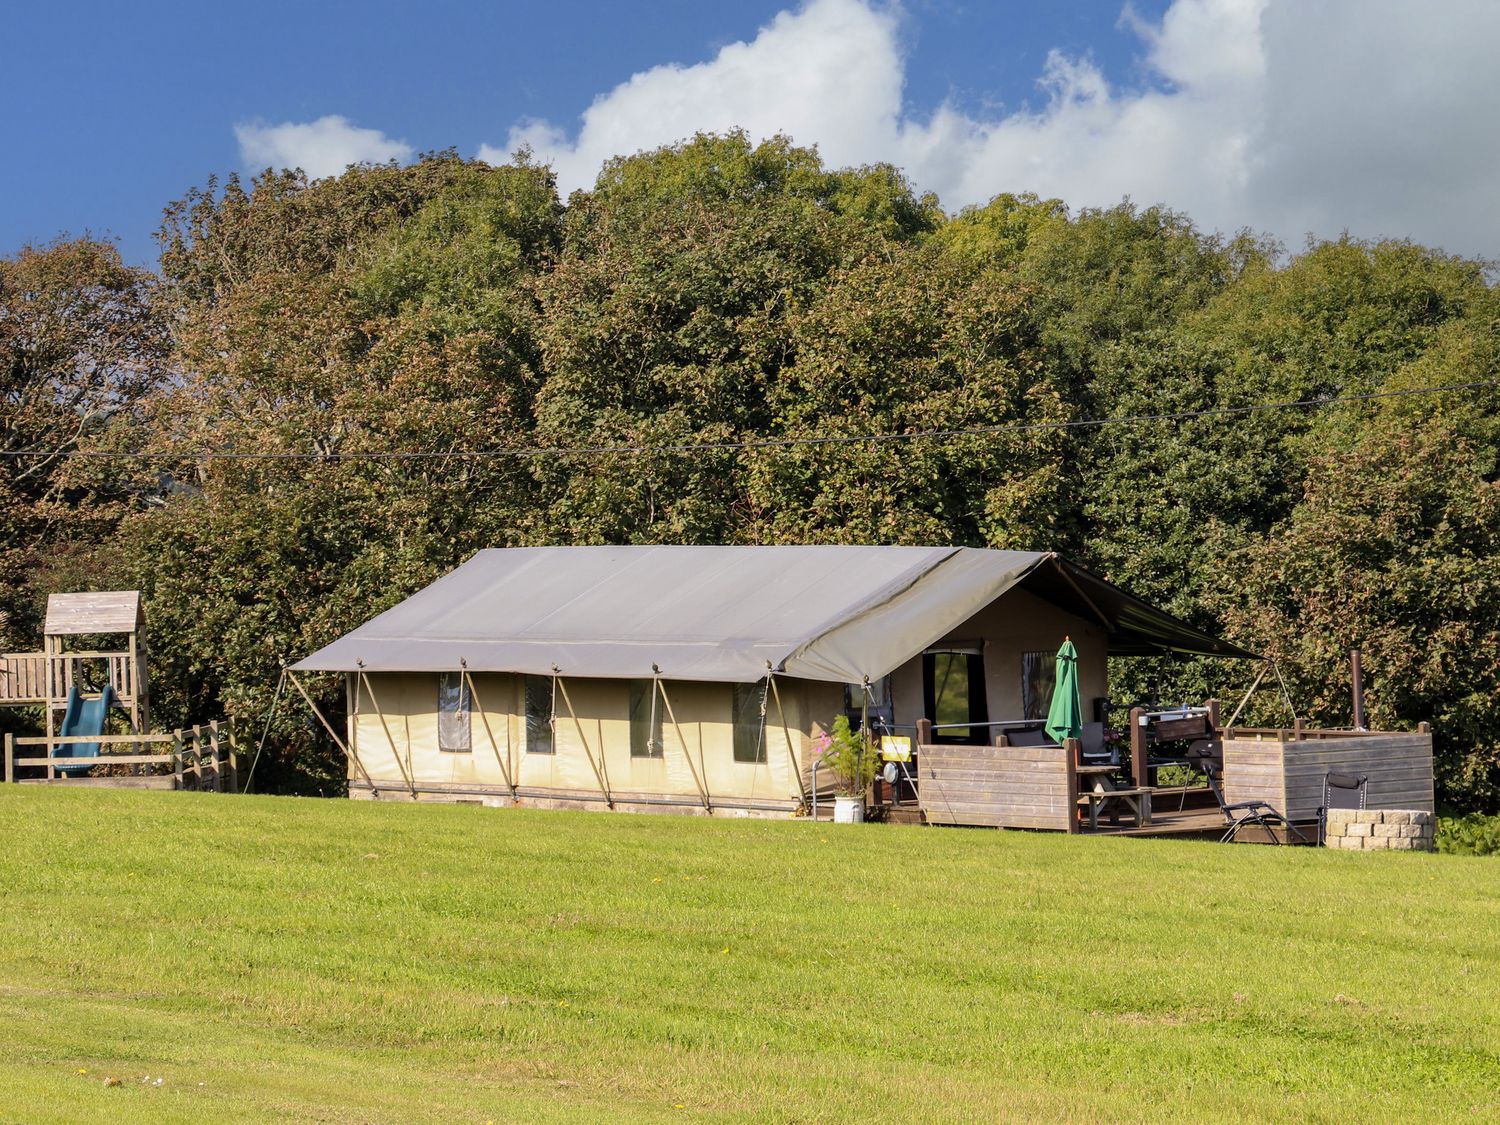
(1337, 818)
(1368, 816)
(1389, 830)
(1397, 816)
(1422, 818)
(1399, 843)
(1411, 831)
(1363, 828)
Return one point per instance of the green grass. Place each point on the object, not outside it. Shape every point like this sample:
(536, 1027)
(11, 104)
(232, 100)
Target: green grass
(283, 959)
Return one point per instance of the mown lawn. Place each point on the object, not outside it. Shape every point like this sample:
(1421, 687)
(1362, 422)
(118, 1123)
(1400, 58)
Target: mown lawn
(281, 959)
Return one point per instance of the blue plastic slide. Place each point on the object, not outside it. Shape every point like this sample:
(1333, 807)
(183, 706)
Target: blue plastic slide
(83, 716)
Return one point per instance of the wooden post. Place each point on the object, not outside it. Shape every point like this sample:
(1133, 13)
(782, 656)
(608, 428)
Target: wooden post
(1213, 716)
(1137, 747)
(47, 646)
(924, 732)
(791, 753)
(1071, 749)
(234, 759)
(700, 782)
(213, 753)
(10, 757)
(333, 734)
(177, 759)
(504, 762)
(600, 774)
(408, 777)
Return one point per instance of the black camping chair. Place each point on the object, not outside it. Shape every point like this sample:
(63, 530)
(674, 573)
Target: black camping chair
(1340, 791)
(1245, 812)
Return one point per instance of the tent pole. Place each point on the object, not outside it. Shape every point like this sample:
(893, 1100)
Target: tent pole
(395, 753)
(1264, 668)
(787, 731)
(602, 777)
(495, 746)
(266, 730)
(337, 741)
(682, 740)
(1077, 589)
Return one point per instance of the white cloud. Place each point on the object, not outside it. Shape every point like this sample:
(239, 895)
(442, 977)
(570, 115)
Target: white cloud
(830, 73)
(1287, 116)
(324, 147)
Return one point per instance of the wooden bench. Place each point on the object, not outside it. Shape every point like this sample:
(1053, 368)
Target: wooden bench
(1137, 800)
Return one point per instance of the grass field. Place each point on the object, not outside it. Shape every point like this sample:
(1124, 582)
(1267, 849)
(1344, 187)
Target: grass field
(283, 959)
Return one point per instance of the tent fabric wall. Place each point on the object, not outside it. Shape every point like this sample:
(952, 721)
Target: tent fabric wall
(395, 736)
(1005, 630)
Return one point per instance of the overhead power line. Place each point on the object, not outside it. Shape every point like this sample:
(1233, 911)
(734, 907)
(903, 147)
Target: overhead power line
(753, 443)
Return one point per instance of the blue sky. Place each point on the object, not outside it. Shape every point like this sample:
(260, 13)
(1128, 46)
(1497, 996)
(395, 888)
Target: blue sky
(124, 106)
(1287, 117)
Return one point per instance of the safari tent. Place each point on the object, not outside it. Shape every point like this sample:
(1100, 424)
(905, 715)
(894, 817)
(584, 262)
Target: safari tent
(695, 679)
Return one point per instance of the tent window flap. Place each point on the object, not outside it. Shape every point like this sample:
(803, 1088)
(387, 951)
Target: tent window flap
(538, 715)
(455, 715)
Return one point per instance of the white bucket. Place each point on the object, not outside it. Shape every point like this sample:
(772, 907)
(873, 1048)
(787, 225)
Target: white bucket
(848, 810)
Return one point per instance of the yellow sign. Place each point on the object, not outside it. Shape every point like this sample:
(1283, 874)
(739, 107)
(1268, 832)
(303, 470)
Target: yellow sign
(895, 748)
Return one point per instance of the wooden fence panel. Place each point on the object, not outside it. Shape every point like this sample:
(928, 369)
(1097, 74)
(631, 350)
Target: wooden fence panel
(1289, 775)
(1000, 786)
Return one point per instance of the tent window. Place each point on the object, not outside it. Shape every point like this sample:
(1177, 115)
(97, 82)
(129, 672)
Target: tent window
(953, 690)
(749, 731)
(645, 720)
(1038, 677)
(455, 722)
(539, 715)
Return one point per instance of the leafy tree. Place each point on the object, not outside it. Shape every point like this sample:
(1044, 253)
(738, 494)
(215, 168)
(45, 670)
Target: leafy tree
(81, 346)
(343, 337)
(668, 321)
(1393, 550)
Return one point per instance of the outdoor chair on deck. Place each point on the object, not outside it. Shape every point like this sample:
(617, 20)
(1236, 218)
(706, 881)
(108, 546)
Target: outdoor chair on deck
(1242, 813)
(1340, 791)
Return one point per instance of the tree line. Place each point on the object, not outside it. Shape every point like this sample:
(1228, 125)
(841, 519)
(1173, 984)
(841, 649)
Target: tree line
(240, 406)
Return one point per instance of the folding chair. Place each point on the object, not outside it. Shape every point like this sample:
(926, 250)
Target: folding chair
(1245, 812)
(1340, 791)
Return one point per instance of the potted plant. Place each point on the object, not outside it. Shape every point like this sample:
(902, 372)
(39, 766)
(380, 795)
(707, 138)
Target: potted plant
(852, 761)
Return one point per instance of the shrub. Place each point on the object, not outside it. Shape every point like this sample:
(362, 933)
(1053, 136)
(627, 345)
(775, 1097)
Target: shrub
(1474, 834)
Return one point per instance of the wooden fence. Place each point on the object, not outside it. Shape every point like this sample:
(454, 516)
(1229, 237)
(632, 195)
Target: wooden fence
(1001, 786)
(1285, 768)
(203, 757)
(24, 676)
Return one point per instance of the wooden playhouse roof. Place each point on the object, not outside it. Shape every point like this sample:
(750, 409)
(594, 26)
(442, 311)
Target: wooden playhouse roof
(112, 611)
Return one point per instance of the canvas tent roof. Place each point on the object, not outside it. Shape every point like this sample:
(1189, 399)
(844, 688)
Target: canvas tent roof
(827, 613)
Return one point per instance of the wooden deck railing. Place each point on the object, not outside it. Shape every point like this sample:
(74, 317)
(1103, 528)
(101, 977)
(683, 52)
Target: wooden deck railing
(23, 675)
(203, 757)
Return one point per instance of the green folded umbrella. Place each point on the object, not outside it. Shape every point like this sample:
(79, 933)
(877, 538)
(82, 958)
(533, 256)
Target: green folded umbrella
(1065, 716)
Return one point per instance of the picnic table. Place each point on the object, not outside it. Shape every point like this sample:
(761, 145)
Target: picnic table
(1102, 792)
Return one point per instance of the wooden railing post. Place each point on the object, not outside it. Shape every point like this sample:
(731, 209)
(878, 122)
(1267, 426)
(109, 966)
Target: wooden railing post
(177, 751)
(1071, 748)
(924, 732)
(213, 753)
(10, 757)
(234, 758)
(1137, 747)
